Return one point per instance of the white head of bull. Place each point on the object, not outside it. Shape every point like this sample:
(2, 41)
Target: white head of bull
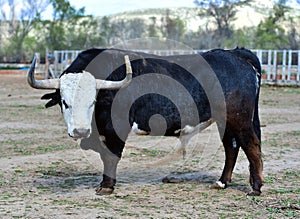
(78, 96)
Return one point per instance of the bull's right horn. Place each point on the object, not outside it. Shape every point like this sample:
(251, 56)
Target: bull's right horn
(40, 84)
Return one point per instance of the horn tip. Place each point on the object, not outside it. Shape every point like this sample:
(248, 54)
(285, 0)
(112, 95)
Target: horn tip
(127, 60)
(30, 74)
(128, 65)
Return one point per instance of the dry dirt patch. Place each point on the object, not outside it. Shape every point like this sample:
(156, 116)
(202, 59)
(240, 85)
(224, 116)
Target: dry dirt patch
(44, 174)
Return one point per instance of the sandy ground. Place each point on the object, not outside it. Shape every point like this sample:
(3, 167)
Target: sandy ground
(44, 173)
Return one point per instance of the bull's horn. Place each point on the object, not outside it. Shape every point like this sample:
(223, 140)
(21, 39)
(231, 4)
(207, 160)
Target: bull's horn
(40, 84)
(115, 85)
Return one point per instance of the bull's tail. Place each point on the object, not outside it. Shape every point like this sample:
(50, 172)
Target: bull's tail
(249, 57)
(254, 61)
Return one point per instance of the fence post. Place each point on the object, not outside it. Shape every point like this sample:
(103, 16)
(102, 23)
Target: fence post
(269, 65)
(55, 61)
(259, 55)
(289, 65)
(47, 64)
(283, 65)
(298, 72)
(275, 65)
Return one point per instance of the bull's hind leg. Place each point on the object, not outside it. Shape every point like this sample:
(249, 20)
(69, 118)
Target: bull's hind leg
(231, 152)
(251, 145)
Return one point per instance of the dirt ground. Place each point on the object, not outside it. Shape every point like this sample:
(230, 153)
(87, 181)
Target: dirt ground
(45, 174)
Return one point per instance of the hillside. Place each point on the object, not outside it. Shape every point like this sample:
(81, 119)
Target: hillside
(246, 17)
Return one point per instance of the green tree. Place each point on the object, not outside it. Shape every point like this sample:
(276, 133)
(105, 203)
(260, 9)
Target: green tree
(19, 24)
(65, 18)
(152, 28)
(242, 38)
(270, 34)
(85, 34)
(293, 36)
(172, 28)
(107, 30)
(293, 32)
(223, 12)
(68, 29)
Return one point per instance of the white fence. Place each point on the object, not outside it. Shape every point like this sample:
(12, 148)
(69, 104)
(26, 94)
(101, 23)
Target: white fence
(280, 67)
(62, 59)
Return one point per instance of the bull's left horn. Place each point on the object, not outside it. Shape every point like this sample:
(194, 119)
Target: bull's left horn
(40, 84)
(115, 85)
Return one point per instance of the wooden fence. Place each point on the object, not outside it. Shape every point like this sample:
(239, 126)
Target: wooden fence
(280, 67)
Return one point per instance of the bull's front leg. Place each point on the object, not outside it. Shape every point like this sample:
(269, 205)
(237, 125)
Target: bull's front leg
(110, 153)
(110, 163)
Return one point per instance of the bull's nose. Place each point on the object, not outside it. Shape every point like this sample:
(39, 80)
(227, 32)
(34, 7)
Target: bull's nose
(81, 133)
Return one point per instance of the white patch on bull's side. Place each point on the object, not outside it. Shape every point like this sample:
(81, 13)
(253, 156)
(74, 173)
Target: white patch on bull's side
(257, 81)
(220, 184)
(188, 132)
(192, 130)
(102, 138)
(234, 145)
(78, 93)
(138, 131)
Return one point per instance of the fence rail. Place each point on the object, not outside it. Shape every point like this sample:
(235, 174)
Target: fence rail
(279, 67)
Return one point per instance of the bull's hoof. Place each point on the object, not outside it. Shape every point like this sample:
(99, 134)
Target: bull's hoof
(254, 193)
(104, 191)
(171, 179)
(219, 185)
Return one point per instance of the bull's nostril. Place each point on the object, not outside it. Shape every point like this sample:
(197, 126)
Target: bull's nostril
(81, 132)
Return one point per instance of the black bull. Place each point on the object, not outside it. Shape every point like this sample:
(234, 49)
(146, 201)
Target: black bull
(235, 109)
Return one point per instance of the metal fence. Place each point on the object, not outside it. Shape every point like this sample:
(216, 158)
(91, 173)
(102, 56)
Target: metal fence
(279, 67)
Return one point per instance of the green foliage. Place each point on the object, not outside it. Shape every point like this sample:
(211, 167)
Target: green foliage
(223, 12)
(69, 29)
(84, 34)
(173, 28)
(65, 17)
(241, 38)
(63, 11)
(152, 29)
(107, 30)
(270, 34)
(19, 27)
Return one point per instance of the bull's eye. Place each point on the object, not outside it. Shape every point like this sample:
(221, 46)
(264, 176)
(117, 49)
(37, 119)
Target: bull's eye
(65, 104)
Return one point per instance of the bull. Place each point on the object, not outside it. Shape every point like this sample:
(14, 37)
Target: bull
(237, 72)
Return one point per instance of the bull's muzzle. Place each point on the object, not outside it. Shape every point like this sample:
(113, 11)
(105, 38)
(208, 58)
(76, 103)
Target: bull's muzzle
(81, 133)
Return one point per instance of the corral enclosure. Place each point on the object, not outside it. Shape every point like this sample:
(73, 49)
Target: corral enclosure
(44, 173)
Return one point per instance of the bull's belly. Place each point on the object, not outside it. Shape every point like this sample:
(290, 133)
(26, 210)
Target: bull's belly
(157, 115)
(155, 129)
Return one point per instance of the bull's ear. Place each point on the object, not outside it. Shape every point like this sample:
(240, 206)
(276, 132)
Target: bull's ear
(51, 103)
(55, 98)
(47, 96)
